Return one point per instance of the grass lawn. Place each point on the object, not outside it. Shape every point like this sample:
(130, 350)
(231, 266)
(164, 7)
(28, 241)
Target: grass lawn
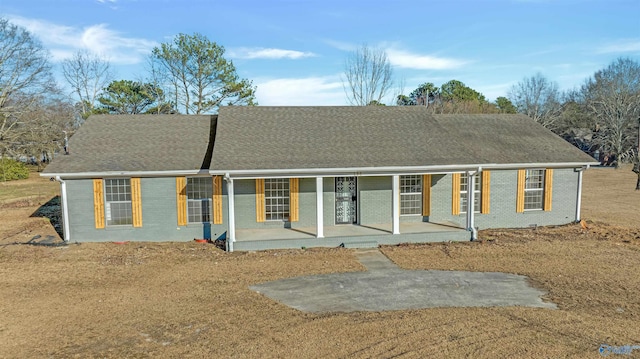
(191, 300)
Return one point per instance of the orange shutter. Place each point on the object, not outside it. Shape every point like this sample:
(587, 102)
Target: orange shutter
(136, 202)
(426, 195)
(522, 177)
(98, 203)
(548, 189)
(217, 199)
(260, 213)
(485, 192)
(455, 194)
(181, 200)
(294, 188)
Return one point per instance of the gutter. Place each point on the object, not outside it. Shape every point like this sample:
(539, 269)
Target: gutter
(127, 174)
(66, 233)
(386, 171)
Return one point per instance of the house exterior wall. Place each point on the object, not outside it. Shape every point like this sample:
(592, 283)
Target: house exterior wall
(502, 212)
(374, 197)
(159, 215)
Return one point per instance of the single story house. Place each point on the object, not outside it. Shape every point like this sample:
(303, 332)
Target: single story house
(291, 177)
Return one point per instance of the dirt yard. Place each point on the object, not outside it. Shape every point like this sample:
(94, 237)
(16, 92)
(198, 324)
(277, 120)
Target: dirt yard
(191, 300)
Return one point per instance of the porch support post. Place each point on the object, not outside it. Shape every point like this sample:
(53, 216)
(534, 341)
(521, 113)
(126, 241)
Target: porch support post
(319, 208)
(395, 199)
(231, 231)
(471, 185)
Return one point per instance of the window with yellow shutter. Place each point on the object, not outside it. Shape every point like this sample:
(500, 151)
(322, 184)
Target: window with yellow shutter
(117, 194)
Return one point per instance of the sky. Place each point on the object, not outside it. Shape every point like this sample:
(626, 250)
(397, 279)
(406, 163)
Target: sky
(294, 51)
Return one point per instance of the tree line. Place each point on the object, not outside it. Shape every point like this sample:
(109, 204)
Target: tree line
(601, 117)
(191, 75)
(187, 75)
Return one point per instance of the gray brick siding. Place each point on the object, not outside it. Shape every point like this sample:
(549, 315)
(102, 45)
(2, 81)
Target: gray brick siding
(159, 215)
(374, 207)
(502, 212)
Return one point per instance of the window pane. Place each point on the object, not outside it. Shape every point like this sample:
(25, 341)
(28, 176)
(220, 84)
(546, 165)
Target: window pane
(276, 199)
(477, 193)
(534, 189)
(118, 202)
(199, 203)
(411, 195)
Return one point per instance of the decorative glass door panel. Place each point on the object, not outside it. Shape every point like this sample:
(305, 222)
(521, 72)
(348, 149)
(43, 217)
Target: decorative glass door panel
(346, 200)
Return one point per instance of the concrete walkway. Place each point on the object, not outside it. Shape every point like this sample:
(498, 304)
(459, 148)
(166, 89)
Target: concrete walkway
(385, 286)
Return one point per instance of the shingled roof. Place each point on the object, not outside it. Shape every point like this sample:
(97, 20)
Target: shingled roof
(138, 143)
(271, 138)
(254, 139)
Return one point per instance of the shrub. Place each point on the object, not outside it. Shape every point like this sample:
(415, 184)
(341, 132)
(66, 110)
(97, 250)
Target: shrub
(12, 170)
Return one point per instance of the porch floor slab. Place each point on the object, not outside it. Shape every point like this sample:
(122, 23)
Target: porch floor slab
(345, 230)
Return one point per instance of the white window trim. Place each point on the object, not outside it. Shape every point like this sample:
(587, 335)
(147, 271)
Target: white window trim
(477, 193)
(403, 194)
(541, 189)
(200, 200)
(267, 213)
(107, 207)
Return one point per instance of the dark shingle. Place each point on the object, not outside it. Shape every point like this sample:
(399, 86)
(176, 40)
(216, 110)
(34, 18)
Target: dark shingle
(106, 143)
(253, 138)
(259, 138)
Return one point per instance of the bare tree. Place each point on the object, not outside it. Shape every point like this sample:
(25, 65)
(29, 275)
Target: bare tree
(25, 75)
(43, 128)
(165, 89)
(87, 75)
(538, 98)
(613, 96)
(368, 76)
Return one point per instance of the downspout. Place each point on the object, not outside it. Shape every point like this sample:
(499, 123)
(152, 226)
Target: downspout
(231, 231)
(471, 185)
(65, 209)
(579, 198)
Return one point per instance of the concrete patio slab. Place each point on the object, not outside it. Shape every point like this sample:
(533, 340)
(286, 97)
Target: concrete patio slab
(386, 287)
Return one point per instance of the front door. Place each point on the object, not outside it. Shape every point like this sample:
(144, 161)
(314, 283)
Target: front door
(346, 200)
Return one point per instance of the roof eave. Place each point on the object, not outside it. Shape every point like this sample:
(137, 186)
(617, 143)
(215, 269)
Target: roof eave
(391, 170)
(104, 174)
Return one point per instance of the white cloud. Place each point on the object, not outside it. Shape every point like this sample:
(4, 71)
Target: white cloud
(269, 53)
(409, 60)
(341, 45)
(63, 41)
(631, 45)
(111, 3)
(309, 91)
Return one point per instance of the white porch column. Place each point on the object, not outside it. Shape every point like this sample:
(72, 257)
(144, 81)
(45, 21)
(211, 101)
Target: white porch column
(319, 208)
(471, 185)
(395, 198)
(231, 232)
(579, 199)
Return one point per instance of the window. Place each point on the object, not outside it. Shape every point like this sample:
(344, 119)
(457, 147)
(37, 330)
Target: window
(534, 189)
(276, 199)
(199, 194)
(411, 195)
(118, 202)
(477, 193)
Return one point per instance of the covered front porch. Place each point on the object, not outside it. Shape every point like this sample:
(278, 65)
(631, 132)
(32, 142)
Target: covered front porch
(351, 211)
(351, 236)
